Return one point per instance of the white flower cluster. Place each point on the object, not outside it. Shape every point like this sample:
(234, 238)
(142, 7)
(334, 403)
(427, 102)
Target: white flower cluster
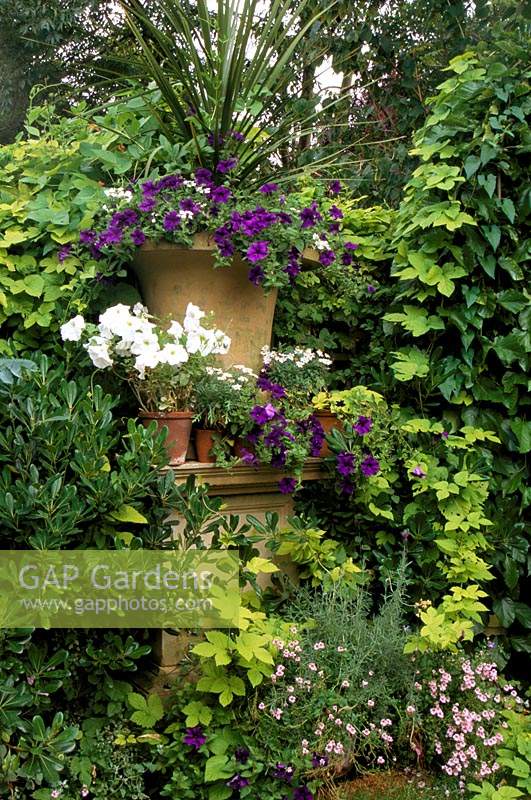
(125, 333)
(299, 356)
(117, 193)
(320, 244)
(233, 379)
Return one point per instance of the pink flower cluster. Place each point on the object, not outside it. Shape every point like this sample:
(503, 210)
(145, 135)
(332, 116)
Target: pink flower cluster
(348, 725)
(469, 705)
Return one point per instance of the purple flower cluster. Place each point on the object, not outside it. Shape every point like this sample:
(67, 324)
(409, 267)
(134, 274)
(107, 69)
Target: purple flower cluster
(194, 737)
(310, 216)
(283, 772)
(255, 232)
(363, 425)
(346, 467)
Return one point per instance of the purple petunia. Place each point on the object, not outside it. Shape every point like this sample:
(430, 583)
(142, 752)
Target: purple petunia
(334, 187)
(241, 754)
(194, 737)
(124, 219)
(302, 793)
(64, 253)
(334, 227)
(147, 204)
(256, 274)
(418, 472)
(345, 463)
(220, 194)
(249, 458)
(110, 236)
(138, 237)
(327, 257)
(171, 221)
(370, 466)
(269, 188)
(237, 136)
(283, 772)
(287, 485)
(170, 182)
(257, 251)
(335, 212)
(363, 425)
(87, 236)
(371, 289)
(351, 246)
(263, 414)
(237, 782)
(187, 204)
(226, 248)
(203, 176)
(310, 216)
(227, 165)
(276, 391)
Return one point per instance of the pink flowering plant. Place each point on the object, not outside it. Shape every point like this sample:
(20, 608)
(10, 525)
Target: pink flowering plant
(269, 229)
(340, 684)
(461, 708)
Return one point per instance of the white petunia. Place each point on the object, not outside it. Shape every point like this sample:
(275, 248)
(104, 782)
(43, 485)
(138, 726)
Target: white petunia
(147, 359)
(71, 331)
(144, 343)
(173, 354)
(176, 329)
(116, 319)
(192, 318)
(193, 342)
(140, 311)
(98, 350)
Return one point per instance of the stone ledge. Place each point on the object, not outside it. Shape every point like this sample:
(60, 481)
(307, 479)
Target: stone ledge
(243, 478)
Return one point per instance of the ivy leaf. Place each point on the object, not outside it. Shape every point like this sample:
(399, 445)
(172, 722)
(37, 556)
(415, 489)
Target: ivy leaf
(508, 209)
(512, 300)
(472, 164)
(512, 347)
(488, 182)
(505, 611)
(522, 430)
(492, 234)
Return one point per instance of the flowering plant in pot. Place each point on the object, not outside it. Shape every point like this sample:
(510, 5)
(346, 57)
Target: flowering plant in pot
(161, 365)
(222, 85)
(223, 400)
(297, 374)
(175, 229)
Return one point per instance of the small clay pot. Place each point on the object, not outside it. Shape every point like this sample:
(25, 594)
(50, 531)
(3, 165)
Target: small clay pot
(328, 422)
(179, 425)
(204, 441)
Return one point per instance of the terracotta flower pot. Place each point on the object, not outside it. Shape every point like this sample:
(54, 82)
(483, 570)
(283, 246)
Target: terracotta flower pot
(204, 441)
(172, 276)
(179, 425)
(328, 422)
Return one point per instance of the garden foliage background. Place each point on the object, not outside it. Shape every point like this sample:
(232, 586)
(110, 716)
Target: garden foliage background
(435, 154)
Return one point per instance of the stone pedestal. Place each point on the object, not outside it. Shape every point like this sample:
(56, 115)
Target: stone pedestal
(244, 490)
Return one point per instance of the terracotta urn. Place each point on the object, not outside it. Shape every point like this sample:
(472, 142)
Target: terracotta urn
(171, 276)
